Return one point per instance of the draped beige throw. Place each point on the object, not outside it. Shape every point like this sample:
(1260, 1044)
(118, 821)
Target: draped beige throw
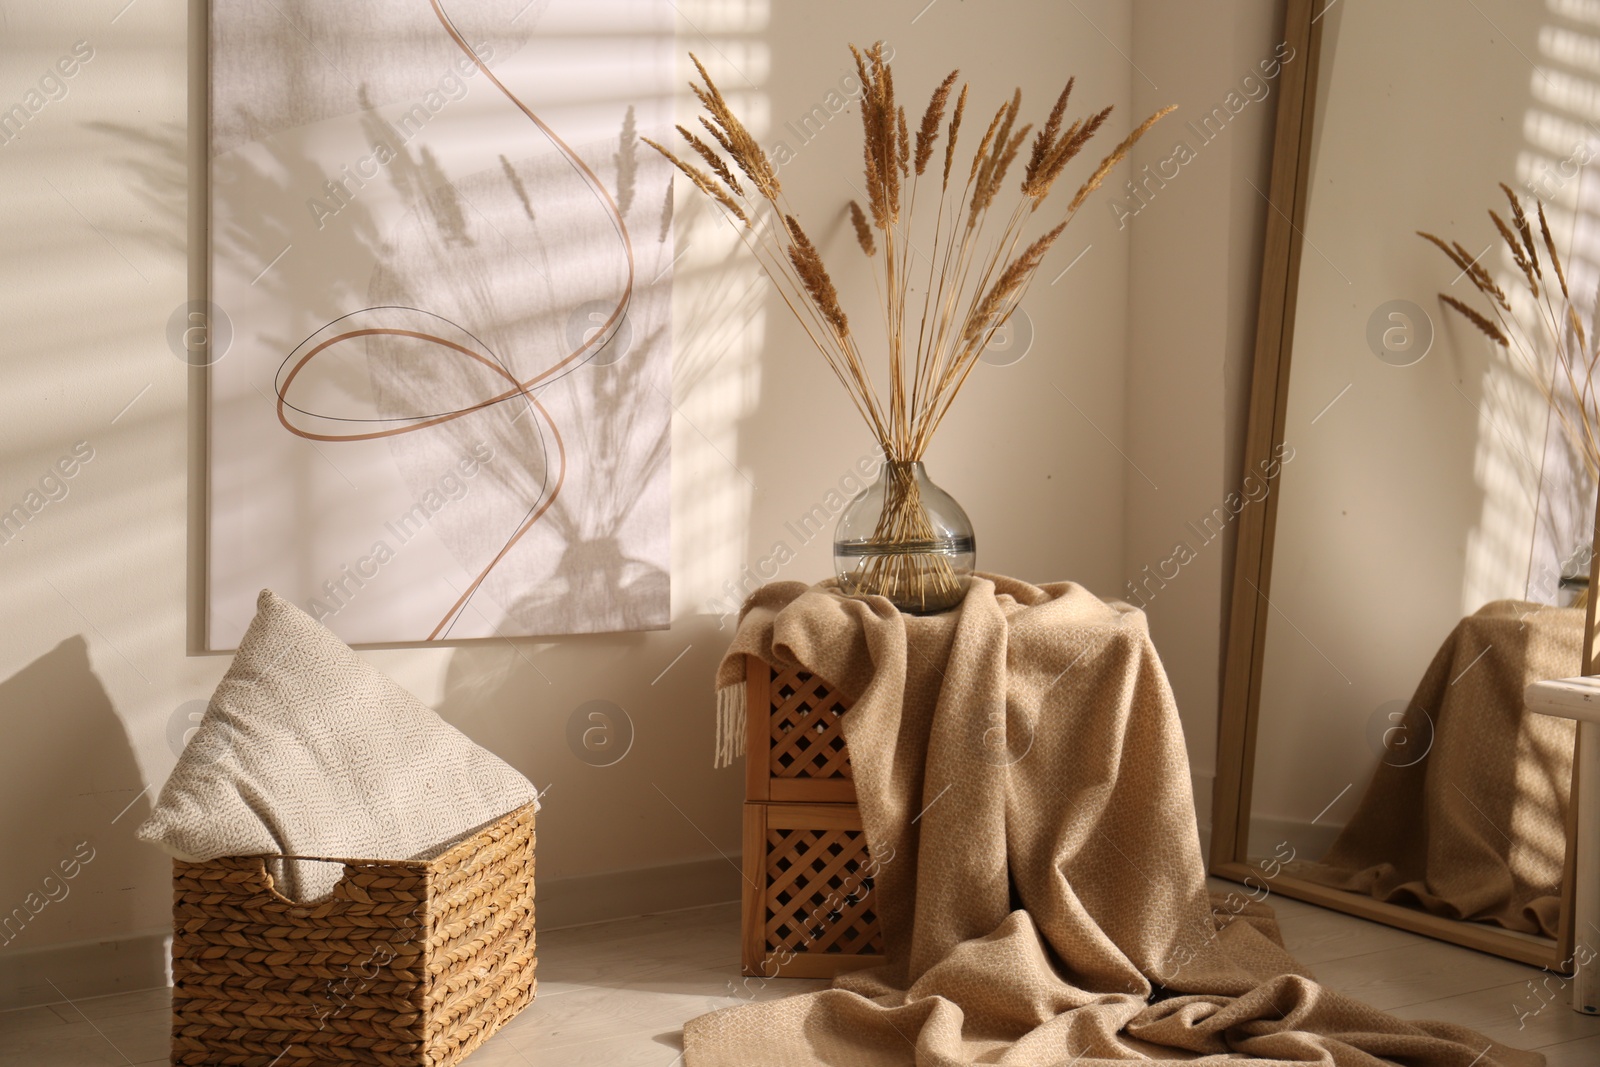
(1021, 761)
(1477, 829)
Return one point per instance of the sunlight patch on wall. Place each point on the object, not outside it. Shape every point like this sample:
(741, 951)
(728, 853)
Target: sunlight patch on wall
(1520, 444)
(719, 318)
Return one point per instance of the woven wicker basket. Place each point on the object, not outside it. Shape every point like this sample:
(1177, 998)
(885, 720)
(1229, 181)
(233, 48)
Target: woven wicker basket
(408, 964)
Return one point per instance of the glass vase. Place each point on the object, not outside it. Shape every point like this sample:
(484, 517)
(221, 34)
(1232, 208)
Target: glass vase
(906, 539)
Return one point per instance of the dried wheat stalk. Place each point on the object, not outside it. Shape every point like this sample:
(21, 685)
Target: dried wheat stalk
(975, 277)
(1544, 338)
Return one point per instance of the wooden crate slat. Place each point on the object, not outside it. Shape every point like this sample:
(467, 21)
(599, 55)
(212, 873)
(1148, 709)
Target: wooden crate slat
(785, 847)
(806, 737)
(808, 908)
(855, 930)
(810, 790)
(812, 898)
(758, 735)
(809, 886)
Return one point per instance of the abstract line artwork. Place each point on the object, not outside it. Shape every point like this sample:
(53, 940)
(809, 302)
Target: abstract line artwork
(445, 258)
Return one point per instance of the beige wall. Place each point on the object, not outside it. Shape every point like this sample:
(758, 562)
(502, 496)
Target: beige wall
(1196, 244)
(99, 592)
(1410, 503)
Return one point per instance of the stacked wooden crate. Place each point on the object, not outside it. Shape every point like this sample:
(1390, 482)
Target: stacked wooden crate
(808, 894)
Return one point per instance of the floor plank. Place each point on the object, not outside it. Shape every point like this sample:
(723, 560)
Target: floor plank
(1584, 1053)
(1416, 973)
(617, 994)
(1510, 1014)
(1316, 936)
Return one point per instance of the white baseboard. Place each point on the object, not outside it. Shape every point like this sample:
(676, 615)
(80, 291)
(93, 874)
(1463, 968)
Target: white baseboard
(1310, 841)
(623, 894)
(33, 976)
(100, 968)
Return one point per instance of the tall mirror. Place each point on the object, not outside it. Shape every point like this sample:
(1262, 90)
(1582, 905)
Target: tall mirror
(1420, 552)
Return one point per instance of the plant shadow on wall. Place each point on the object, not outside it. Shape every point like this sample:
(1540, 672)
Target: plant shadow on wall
(290, 179)
(451, 253)
(81, 802)
(583, 428)
(429, 270)
(154, 162)
(724, 304)
(155, 167)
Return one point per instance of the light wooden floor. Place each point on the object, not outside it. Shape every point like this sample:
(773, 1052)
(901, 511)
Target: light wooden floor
(616, 995)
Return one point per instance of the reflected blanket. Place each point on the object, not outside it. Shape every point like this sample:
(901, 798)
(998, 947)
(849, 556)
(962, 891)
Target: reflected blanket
(1466, 814)
(1021, 760)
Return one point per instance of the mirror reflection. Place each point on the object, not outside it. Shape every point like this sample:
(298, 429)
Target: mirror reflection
(1434, 512)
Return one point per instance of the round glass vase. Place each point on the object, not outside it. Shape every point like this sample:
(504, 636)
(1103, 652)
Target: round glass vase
(906, 539)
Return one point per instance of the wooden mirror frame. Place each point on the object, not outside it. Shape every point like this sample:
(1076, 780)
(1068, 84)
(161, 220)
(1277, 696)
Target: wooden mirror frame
(1252, 577)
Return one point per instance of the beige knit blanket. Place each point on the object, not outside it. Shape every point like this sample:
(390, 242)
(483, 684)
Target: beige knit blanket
(1476, 829)
(1021, 761)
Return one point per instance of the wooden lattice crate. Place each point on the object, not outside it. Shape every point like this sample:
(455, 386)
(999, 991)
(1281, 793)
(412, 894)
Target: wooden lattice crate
(809, 898)
(408, 964)
(795, 742)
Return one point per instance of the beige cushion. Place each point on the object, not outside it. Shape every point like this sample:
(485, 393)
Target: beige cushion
(306, 750)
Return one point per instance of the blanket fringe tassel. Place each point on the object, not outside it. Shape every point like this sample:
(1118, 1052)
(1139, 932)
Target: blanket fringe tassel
(730, 723)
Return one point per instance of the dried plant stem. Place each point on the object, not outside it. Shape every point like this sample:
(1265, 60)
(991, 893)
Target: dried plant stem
(1543, 338)
(975, 279)
(911, 568)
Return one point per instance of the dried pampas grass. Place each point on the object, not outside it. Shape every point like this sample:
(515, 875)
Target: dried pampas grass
(1543, 336)
(969, 278)
(974, 279)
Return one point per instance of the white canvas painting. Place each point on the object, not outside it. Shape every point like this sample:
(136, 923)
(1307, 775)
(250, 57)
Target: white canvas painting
(446, 260)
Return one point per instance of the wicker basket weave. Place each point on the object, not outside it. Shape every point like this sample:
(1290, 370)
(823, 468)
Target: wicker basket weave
(408, 964)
